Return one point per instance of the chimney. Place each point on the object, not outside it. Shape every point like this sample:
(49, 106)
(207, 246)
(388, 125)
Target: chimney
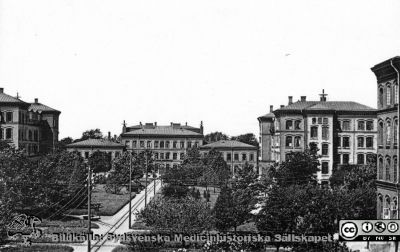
(172, 123)
(290, 99)
(323, 96)
(124, 127)
(271, 108)
(201, 128)
(1, 90)
(140, 123)
(155, 124)
(109, 135)
(36, 100)
(185, 123)
(303, 98)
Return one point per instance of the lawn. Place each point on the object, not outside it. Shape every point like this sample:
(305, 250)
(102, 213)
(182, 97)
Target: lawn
(109, 203)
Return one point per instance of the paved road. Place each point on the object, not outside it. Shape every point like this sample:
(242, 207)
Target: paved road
(121, 226)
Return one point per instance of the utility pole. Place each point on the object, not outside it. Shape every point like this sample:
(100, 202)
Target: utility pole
(130, 191)
(89, 202)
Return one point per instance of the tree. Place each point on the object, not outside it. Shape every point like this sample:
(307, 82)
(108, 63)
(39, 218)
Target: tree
(100, 161)
(62, 144)
(224, 210)
(248, 138)
(215, 136)
(91, 134)
(299, 167)
(217, 169)
(184, 215)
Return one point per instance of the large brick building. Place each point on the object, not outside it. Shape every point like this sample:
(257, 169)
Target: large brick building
(387, 75)
(29, 126)
(344, 131)
(168, 143)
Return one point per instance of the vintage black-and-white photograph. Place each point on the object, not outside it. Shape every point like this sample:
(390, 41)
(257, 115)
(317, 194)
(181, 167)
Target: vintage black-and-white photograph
(214, 125)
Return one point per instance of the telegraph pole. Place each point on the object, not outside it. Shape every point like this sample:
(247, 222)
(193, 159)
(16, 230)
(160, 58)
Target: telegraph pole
(89, 202)
(130, 191)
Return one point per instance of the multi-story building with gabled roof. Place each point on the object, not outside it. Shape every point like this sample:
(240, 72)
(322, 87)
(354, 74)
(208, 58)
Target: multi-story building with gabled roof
(344, 131)
(29, 126)
(388, 74)
(168, 143)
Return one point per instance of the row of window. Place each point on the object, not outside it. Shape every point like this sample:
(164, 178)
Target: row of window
(28, 135)
(319, 120)
(236, 157)
(7, 117)
(162, 144)
(289, 124)
(387, 209)
(392, 95)
(314, 132)
(362, 142)
(361, 158)
(387, 133)
(387, 168)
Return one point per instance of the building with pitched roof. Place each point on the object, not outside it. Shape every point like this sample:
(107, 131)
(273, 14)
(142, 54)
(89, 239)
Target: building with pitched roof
(388, 75)
(87, 147)
(29, 126)
(168, 143)
(235, 153)
(344, 131)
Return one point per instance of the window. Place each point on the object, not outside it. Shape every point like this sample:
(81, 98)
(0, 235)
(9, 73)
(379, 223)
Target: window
(289, 141)
(175, 156)
(346, 142)
(388, 133)
(289, 124)
(370, 125)
(381, 97)
(134, 144)
(9, 116)
(380, 168)
(35, 136)
(236, 156)
(244, 157)
(361, 125)
(345, 158)
(2, 133)
(156, 156)
(196, 144)
(30, 135)
(396, 93)
(325, 149)
(319, 120)
(346, 125)
(297, 140)
(314, 120)
(9, 133)
(162, 156)
(360, 159)
(86, 154)
(167, 144)
(360, 142)
(162, 145)
(148, 144)
(167, 155)
(369, 142)
(189, 144)
(251, 157)
(314, 132)
(156, 144)
(228, 157)
(182, 156)
(380, 133)
(395, 131)
(325, 120)
(395, 169)
(141, 144)
(174, 144)
(297, 124)
(388, 95)
(182, 144)
(325, 168)
(325, 133)
(387, 168)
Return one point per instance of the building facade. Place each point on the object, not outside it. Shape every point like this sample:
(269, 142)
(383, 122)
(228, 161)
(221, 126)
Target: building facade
(236, 154)
(387, 75)
(32, 127)
(345, 132)
(87, 147)
(168, 143)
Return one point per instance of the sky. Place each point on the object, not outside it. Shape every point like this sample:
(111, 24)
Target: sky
(223, 62)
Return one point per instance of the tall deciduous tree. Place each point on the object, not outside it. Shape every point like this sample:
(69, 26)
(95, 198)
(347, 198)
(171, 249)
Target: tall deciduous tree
(248, 138)
(224, 210)
(215, 136)
(92, 133)
(100, 161)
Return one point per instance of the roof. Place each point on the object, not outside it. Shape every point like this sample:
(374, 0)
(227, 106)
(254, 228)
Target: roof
(228, 144)
(326, 105)
(96, 143)
(10, 99)
(39, 107)
(164, 131)
(269, 115)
